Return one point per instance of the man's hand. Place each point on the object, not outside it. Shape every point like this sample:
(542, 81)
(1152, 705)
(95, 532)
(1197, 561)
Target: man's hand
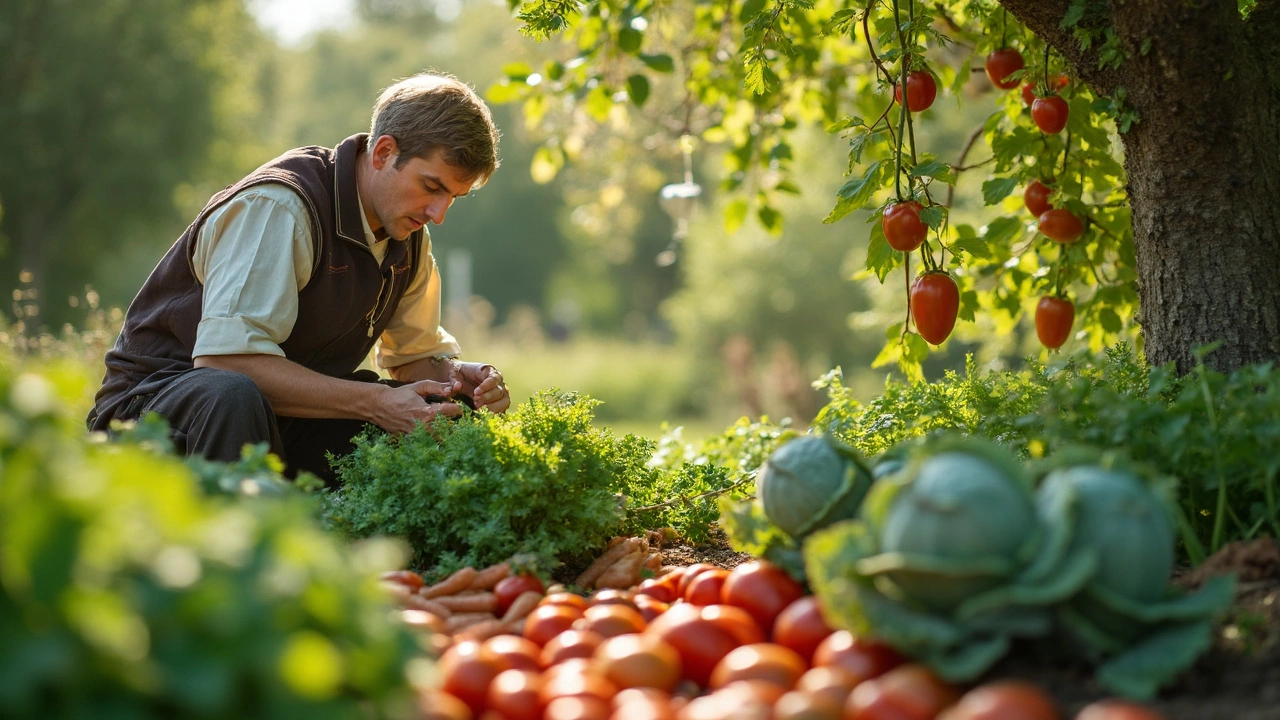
(484, 384)
(399, 408)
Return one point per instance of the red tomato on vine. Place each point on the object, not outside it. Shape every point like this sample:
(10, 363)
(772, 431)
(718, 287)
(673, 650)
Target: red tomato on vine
(1036, 198)
(1050, 114)
(903, 228)
(1061, 225)
(1054, 316)
(1028, 93)
(921, 91)
(935, 302)
(1001, 64)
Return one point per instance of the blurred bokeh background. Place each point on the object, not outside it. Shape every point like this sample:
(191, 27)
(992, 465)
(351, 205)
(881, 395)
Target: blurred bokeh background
(119, 118)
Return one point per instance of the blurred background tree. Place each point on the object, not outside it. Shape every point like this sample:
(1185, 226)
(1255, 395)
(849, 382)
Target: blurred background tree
(118, 120)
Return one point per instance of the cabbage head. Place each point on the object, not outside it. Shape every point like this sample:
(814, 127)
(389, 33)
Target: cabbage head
(811, 482)
(1126, 617)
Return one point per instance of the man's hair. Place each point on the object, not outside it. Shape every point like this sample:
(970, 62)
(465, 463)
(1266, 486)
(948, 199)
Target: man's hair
(430, 112)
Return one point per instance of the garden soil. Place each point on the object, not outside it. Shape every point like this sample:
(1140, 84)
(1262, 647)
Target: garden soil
(1238, 679)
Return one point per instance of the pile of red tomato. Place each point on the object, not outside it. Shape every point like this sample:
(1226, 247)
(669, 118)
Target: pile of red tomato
(704, 643)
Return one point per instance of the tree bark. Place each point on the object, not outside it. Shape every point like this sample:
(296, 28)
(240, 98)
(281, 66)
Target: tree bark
(1203, 166)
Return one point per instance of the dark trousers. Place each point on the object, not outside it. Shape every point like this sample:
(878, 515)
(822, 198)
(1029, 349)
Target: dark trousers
(214, 413)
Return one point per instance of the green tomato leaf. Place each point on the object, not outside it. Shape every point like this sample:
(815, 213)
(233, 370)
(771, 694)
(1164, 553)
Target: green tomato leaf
(858, 192)
(735, 213)
(881, 258)
(932, 216)
(770, 218)
(638, 89)
(517, 71)
(1002, 231)
(599, 103)
(629, 40)
(658, 63)
(937, 170)
(505, 92)
(997, 189)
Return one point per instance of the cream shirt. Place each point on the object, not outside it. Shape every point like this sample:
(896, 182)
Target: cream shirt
(251, 282)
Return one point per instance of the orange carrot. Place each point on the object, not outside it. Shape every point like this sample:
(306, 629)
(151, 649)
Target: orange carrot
(622, 574)
(522, 606)
(612, 555)
(490, 576)
(479, 602)
(396, 591)
(420, 620)
(455, 583)
(653, 562)
(482, 630)
(417, 602)
(408, 578)
(462, 621)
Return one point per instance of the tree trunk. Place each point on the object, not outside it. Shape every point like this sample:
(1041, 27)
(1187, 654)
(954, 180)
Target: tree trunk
(1203, 165)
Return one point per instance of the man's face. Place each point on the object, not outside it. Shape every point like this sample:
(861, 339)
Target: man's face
(404, 199)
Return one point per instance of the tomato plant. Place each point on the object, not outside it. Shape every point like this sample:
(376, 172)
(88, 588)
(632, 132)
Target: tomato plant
(1036, 198)
(935, 303)
(903, 228)
(1061, 225)
(1054, 316)
(1050, 114)
(1001, 64)
(801, 627)
(921, 91)
(762, 589)
(1009, 700)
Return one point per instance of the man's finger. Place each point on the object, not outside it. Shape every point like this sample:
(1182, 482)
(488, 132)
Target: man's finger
(431, 387)
(447, 409)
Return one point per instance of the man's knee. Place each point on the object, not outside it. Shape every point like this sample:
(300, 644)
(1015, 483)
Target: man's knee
(229, 390)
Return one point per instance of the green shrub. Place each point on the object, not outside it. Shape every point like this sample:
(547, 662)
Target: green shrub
(1216, 433)
(127, 592)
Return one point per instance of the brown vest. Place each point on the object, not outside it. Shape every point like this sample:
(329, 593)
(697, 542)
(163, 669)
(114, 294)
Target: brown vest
(341, 312)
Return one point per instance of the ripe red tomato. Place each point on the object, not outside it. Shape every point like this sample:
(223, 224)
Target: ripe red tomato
(633, 661)
(1009, 700)
(612, 620)
(1050, 114)
(863, 659)
(801, 627)
(510, 588)
(1028, 93)
(1061, 225)
(903, 228)
(584, 707)
(1002, 63)
(762, 661)
(921, 91)
(911, 692)
(935, 302)
(1117, 710)
(466, 671)
(568, 645)
(1036, 197)
(1054, 316)
(735, 621)
(659, 588)
(686, 576)
(513, 694)
(514, 652)
(1061, 81)
(650, 607)
(762, 589)
(565, 598)
(705, 589)
(700, 642)
(548, 621)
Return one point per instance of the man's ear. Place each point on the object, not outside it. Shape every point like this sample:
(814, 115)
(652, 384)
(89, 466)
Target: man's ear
(385, 150)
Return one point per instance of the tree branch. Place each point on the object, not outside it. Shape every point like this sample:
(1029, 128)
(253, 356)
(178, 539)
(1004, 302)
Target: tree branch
(1044, 18)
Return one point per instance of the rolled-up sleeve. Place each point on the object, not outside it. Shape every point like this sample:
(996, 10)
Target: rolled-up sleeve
(414, 332)
(253, 256)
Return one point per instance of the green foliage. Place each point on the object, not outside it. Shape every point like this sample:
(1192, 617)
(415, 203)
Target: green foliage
(797, 65)
(111, 115)
(1210, 431)
(126, 591)
(539, 479)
